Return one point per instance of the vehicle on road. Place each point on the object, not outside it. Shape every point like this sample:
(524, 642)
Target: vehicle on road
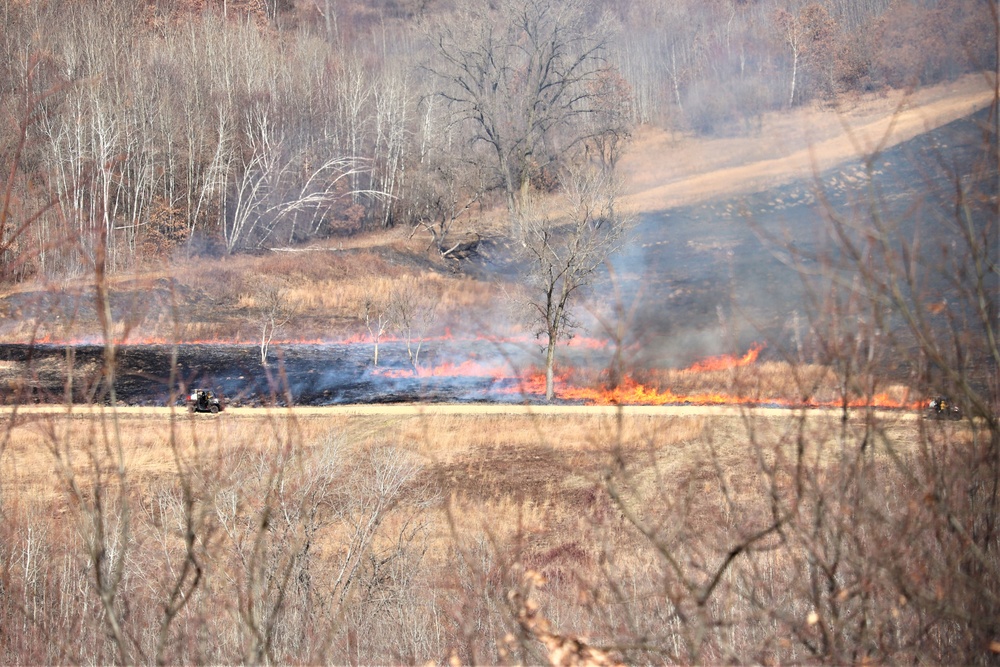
(942, 407)
(204, 400)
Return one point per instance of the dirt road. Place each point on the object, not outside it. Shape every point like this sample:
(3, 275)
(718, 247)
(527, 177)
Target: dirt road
(663, 170)
(438, 409)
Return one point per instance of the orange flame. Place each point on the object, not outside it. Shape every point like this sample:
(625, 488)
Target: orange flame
(532, 382)
(630, 392)
(726, 361)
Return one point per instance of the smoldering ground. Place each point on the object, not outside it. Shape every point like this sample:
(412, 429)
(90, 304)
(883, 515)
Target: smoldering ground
(717, 277)
(296, 374)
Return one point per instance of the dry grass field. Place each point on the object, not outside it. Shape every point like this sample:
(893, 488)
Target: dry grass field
(413, 533)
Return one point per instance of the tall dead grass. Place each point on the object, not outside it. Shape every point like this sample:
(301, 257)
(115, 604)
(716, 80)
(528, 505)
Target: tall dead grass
(322, 288)
(607, 527)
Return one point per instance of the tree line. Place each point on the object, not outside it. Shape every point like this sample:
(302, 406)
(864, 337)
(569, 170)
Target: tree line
(235, 125)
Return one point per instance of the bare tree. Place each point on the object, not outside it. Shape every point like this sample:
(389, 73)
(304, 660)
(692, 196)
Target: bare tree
(810, 36)
(392, 104)
(563, 255)
(376, 310)
(274, 310)
(354, 92)
(792, 33)
(413, 310)
(25, 106)
(446, 189)
(277, 193)
(517, 76)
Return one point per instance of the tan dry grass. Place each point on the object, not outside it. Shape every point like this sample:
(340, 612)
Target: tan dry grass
(216, 298)
(145, 435)
(500, 473)
(508, 492)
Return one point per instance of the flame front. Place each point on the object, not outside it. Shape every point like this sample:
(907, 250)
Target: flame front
(505, 381)
(629, 391)
(726, 361)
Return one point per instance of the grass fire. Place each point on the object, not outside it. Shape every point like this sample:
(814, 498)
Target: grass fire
(499, 331)
(316, 374)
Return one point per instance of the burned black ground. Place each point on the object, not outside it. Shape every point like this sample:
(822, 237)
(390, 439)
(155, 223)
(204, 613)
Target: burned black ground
(159, 375)
(716, 277)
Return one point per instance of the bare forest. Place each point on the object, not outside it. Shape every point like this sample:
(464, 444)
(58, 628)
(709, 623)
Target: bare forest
(164, 128)
(538, 336)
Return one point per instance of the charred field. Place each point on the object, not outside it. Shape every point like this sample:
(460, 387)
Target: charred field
(295, 374)
(313, 375)
(721, 275)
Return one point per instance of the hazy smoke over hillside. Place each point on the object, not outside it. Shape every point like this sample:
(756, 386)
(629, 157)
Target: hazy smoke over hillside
(717, 276)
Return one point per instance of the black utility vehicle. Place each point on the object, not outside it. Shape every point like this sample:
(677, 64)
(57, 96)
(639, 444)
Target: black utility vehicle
(204, 400)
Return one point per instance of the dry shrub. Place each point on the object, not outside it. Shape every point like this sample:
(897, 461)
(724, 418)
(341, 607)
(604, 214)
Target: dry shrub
(270, 544)
(166, 231)
(224, 486)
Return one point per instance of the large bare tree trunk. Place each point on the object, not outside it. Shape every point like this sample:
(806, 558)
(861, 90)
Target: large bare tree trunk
(550, 360)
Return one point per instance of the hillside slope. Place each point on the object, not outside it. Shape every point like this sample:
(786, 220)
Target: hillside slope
(662, 171)
(324, 290)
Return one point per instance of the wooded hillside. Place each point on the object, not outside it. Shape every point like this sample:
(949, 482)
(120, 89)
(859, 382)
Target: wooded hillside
(145, 128)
